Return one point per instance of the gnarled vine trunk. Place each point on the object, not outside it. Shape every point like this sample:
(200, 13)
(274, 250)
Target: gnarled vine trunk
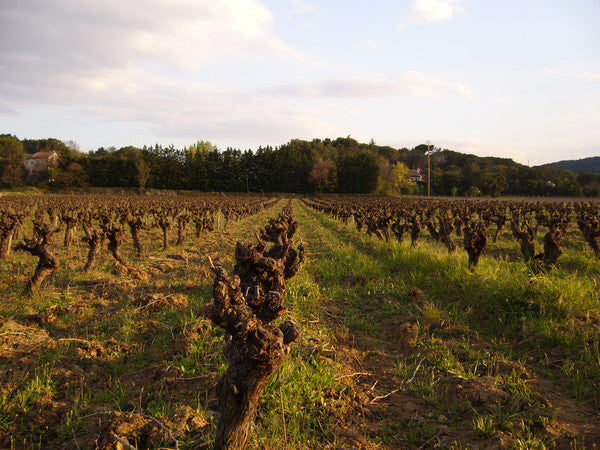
(245, 304)
(7, 231)
(94, 242)
(475, 242)
(38, 246)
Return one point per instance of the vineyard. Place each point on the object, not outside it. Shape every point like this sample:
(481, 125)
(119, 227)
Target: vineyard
(133, 321)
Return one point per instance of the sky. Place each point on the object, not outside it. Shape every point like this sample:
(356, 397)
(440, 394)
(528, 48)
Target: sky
(517, 79)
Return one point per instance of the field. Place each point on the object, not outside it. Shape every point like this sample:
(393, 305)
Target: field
(402, 346)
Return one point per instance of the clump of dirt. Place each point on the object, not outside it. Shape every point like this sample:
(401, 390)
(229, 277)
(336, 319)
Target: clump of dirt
(133, 429)
(180, 257)
(402, 336)
(20, 341)
(157, 301)
(135, 273)
(506, 367)
(354, 280)
(168, 382)
(198, 329)
(166, 267)
(78, 308)
(112, 288)
(95, 349)
(480, 393)
(190, 332)
(49, 410)
(414, 293)
(184, 420)
(572, 418)
(41, 318)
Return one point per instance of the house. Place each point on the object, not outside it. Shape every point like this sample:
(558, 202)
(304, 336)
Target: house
(40, 161)
(416, 176)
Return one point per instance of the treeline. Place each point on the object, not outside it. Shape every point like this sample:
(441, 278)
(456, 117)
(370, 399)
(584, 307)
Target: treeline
(591, 165)
(342, 165)
(454, 173)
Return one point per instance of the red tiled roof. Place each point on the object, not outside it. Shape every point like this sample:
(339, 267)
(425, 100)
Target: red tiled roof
(40, 155)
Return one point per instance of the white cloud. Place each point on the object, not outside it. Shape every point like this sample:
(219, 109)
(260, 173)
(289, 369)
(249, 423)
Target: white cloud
(189, 110)
(301, 7)
(125, 61)
(6, 110)
(369, 42)
(585, 75)
(413, 84)
(50, 41)
(426, 11)
(589, 76)
(355, 110)
(365, 43)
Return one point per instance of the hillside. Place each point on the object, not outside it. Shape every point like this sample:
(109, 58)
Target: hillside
(591, 165)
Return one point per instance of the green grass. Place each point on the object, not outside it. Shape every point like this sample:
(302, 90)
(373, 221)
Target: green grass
(510, 312)
(413, 432)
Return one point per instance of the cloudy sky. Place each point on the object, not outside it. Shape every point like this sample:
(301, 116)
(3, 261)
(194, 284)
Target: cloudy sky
(510, 78)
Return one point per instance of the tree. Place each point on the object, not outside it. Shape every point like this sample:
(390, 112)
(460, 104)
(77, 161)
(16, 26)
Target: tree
(323, 176)
(472, 191)
(71, 176)
(492, 182)
(358, 173)
(70, 171)
(202, 147)
(451, 180)
(394, 179)
(12, 157)
(142, 172)
(568, 186)
(402, 184)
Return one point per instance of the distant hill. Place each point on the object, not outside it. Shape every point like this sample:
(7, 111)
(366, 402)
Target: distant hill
(591, 165)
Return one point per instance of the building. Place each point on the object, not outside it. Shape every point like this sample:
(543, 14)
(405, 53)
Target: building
(40, 162)
(416, 176)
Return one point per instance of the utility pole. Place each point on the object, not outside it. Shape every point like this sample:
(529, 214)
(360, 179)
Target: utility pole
(428, 169)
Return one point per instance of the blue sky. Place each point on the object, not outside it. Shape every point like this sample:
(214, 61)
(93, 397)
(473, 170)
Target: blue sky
(519, 79)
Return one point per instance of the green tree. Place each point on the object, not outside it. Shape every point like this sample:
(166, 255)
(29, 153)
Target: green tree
(358, 173)
(472, 191)
(402, 183)
(51, 144)
(201, 147)
(568, 186)
(394, 179)
(73, 175)
(323, 176)
(12, 157)
(451, 180)
(71, 168)
(142, 169)
(492, 182)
